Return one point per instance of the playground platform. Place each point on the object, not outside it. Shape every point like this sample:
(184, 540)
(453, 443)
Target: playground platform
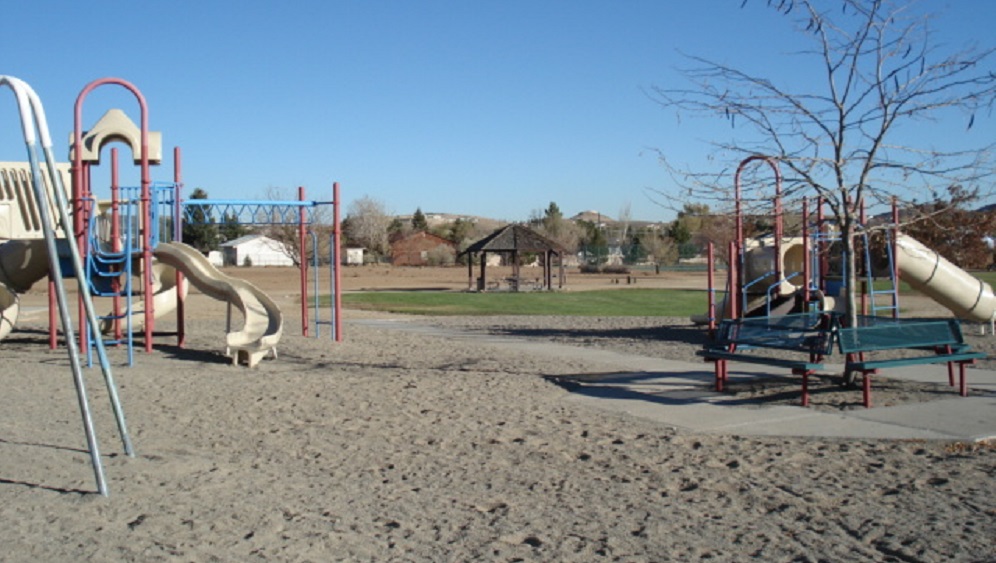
(680, 394)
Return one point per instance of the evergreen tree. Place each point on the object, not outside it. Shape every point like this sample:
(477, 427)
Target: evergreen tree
(231, 229)
(419, 223)
(199, 228)
(553, 220)
(396, 229)
(594, 244)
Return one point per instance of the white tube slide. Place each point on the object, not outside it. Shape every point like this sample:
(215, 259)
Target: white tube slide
(928, 272)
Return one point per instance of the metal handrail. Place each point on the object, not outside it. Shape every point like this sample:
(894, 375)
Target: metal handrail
(34, 125)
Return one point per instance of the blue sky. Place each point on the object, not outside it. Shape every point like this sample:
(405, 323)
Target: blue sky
(491, 108)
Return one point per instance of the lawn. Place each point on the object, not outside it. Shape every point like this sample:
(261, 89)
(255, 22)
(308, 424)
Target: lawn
(599, 303)
(596, 303)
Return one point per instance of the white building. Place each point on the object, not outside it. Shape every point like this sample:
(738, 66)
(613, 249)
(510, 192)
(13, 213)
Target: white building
(354, 256)
(256, 250)
(216, 258)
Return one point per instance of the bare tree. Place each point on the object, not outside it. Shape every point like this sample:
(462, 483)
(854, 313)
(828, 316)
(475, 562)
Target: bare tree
(841, 139)
(622, 223)
(660, 248)
(367, 224)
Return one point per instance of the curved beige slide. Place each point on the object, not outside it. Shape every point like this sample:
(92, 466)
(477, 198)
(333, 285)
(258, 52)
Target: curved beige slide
(263, 320)
(22, 263)
(930, 273)
(9, 309)
(163, 296)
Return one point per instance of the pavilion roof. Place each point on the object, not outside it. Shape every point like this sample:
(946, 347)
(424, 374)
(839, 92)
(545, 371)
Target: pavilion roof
(515, 238)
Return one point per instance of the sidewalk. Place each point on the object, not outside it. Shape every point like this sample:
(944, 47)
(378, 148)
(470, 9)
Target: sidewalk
(680, 394)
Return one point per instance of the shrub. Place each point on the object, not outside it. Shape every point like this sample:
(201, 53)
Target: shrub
(615, 269)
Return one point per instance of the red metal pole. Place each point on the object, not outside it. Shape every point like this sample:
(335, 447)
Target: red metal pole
(711, 278)
(115, 241)
(734, 296)
(337, 241)
(84, 246)
(80, 235)
(76, 206)
(738, 206)
(740, 220)
(806, 273)
(150, 317)
(895, 258)
(303, 261)
(821, 247)
(53, 340)
(78, 218)
(181, 329)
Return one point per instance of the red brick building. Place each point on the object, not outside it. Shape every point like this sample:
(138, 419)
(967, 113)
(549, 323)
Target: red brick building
(423, 249)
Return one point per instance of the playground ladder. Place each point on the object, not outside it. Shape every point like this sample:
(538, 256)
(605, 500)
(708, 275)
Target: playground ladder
(102, 267)
(892, 306)
(34, 125)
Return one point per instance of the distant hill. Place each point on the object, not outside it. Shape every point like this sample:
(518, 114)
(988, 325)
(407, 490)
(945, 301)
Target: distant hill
(435, 219)
(595, 217)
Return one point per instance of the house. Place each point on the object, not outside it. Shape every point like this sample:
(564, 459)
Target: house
(216, 258)
(256, 250)
(354, 256)
(423, 249)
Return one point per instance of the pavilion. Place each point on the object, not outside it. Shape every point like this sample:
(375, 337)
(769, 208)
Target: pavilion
(514, 240)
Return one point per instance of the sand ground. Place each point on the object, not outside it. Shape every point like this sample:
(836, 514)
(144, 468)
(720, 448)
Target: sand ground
(401, 446)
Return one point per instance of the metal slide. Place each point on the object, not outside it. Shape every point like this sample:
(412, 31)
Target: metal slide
(263, 320)
(928, 272)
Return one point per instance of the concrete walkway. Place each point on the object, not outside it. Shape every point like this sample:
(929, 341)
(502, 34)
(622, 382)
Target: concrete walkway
(680, 394)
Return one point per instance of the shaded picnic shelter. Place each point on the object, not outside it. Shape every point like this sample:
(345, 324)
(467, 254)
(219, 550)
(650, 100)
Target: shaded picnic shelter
(515, 240)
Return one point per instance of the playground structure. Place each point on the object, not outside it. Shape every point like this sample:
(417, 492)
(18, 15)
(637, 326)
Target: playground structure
(128, 246)
(777, 274)
(130, 243)
(780, 297)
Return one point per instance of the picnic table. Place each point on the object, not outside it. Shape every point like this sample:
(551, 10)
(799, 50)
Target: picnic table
(936, 341)
(811, 336)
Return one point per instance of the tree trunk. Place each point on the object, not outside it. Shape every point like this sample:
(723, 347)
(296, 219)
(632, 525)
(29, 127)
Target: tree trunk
(850, 272)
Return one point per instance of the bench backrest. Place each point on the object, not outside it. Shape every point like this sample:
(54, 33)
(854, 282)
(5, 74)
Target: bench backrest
(879, 333)
(804, 332)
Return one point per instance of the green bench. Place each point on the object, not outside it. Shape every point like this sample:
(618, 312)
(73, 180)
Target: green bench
(941, 341)
(809, 334)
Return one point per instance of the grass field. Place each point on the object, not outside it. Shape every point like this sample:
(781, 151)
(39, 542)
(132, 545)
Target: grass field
(595, 303)
(599, 303)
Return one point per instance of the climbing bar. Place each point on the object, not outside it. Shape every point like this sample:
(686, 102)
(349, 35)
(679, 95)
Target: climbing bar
(220, 211)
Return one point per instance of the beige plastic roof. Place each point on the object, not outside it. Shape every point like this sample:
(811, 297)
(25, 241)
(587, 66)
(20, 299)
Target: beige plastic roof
(115, 125)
